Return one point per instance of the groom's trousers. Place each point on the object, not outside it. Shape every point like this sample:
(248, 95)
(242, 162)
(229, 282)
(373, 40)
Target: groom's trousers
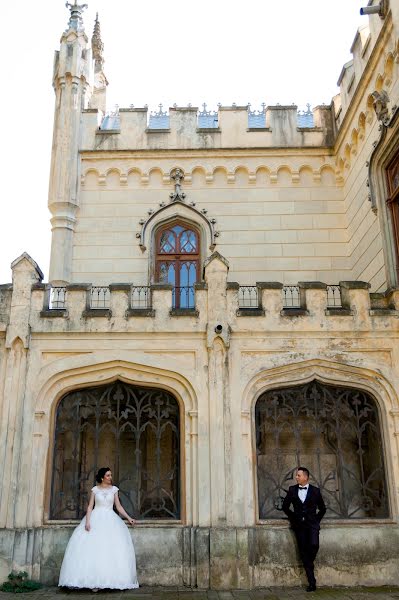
(308, 546)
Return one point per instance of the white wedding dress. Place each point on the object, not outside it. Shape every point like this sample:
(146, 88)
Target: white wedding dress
(104, 556)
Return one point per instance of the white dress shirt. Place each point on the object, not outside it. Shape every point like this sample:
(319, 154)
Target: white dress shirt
(303, 493)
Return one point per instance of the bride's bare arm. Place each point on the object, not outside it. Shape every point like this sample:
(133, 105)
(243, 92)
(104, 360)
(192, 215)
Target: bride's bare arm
(88, 513)
(121, 510)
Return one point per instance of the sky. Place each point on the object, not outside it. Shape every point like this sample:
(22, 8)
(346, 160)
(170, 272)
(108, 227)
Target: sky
(272, 51)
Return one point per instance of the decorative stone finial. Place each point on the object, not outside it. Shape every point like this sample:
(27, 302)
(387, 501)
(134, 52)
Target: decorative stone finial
(75, 20)
(177, 196)
(97, 45)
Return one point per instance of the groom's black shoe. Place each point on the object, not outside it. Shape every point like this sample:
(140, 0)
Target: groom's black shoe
(311, 588)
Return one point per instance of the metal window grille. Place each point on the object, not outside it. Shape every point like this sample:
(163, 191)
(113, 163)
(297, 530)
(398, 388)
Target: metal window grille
(57, 298)
(141, 296)
(332, 430)
(248, 296)
(291, 296)
(100, 297)
(134, 431)
(183, 297)
(334, 296)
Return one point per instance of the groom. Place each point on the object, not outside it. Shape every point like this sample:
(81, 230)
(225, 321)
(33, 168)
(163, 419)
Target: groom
(307, 511)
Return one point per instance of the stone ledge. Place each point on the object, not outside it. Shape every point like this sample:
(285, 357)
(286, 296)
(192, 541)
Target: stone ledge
(312, 285)
(53, 313)
(338, 312)
(354, 285)
(184, 312)
(250, 312)
(140, 312)
(294, 312)
(161, 286)
(97, 312)
(253, 129)
(120, 287)
(107, 131)
(78, 287)
(269, 285)
(148, 130)
(232, 285)
(209, 130)
(383, 312)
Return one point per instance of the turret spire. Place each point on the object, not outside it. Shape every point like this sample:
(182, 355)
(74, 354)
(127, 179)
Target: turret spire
(98, 98)
(75, 20)
(97, 45)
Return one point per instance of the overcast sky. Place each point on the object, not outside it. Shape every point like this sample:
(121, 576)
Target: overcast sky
(273, 51)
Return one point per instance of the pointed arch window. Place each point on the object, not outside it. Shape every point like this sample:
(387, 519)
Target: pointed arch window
(135, 431)
(335, 432)
(393, 204)
(178, 261)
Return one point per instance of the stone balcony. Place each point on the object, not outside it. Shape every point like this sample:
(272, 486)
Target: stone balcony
(215, 307)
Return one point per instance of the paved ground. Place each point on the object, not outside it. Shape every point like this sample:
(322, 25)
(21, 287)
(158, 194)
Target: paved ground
(381, 593)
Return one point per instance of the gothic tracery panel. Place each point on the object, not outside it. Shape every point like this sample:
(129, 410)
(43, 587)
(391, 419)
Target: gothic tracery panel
(132, 430)
(334, 432)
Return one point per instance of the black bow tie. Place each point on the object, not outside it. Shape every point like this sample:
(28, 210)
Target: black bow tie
(303, 488)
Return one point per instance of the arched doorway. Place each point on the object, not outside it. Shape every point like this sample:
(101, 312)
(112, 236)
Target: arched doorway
(332, 430)
(131, 429)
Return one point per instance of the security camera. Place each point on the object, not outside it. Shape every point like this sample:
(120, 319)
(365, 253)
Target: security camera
(379, 9)
(218, 328)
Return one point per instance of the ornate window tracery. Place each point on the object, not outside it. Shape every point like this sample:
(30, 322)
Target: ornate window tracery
(133, 430)
(332, 430)
(178, 260)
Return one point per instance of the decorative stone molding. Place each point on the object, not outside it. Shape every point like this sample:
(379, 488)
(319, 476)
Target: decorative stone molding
(177, 197)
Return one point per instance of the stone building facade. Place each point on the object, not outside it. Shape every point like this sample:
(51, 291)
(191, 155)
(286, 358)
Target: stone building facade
(222, 304)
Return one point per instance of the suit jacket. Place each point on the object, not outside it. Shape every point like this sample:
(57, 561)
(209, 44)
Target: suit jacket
(308, 513)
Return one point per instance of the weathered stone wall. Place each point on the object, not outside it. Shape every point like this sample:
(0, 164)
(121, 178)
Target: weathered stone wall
(216, 378)
(279, 217)
(223, 558)
(374, 69)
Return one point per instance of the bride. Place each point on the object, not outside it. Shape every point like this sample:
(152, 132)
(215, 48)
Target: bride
(100, 553)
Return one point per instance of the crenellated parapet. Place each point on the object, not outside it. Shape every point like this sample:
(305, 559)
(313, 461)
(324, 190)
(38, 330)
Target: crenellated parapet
(186, 128)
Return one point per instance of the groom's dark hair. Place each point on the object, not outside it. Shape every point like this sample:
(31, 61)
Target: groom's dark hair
(305, 470)
(100, 474)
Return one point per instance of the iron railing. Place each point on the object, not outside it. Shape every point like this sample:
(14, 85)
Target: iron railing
(291, 296)
(332, 430)
(138, 428)
(140, 297)
(334, 296)
(57, 298)
(183, 297)
(248, 296)
(100, 297)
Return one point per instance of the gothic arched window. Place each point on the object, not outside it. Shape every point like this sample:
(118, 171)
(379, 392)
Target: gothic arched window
(134, 431)
(393, 204)
(333, 431)
(178, 261)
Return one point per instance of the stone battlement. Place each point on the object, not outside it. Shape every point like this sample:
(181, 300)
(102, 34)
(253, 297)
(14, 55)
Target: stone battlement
(185, 127)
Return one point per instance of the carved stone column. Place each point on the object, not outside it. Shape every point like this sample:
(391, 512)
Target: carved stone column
(218, 339)
(25, 273)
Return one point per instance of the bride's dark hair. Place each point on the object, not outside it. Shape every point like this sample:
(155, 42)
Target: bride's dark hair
(100, 474)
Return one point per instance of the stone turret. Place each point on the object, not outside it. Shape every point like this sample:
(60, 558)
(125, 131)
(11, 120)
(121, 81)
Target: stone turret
(70, 82)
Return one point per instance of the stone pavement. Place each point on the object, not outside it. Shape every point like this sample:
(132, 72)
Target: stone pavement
(146, 593)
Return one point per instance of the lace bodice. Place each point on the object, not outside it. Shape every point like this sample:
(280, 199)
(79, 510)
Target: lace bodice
(104, 498)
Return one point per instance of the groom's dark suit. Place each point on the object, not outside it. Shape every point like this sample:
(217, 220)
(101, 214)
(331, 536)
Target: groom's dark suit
(305, 521)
